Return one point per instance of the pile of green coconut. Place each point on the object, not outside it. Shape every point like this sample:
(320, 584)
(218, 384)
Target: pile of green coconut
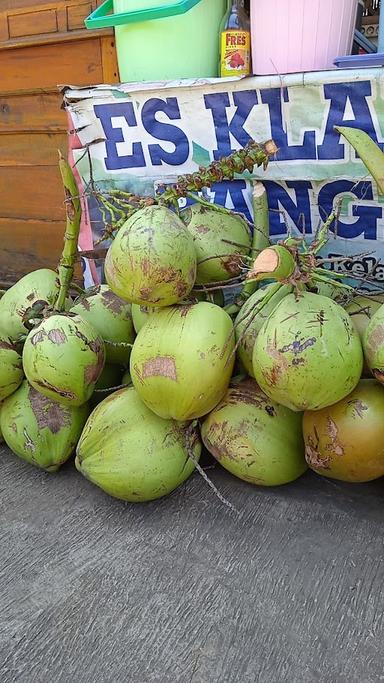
(199, 339)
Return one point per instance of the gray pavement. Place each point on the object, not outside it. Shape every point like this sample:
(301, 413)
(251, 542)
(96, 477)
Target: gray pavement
(95, 590)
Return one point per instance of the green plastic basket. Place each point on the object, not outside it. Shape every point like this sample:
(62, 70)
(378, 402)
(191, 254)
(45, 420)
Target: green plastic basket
(102, 17)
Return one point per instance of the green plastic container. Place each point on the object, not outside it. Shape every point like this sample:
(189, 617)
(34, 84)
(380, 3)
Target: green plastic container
(157, 41)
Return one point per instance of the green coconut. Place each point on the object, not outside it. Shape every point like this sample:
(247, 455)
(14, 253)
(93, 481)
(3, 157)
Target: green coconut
(373, 344)
(38, 289)
(346, 440)
(217, 235)
(182, 360)
(39, 430)
(111, 317)
(362, 309)
(254, 438)
(109, 378)
(126, 378)
(248, 327)
(152, 260)
(1, 433)
(133, 454)
(140, 314)
(308, 354)
(11, 368)
(63, 358)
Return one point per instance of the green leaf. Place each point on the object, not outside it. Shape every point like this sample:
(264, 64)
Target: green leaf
(369, 153)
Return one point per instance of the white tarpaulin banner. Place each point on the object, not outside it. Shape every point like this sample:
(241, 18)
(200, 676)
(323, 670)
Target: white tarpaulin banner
(133, 135)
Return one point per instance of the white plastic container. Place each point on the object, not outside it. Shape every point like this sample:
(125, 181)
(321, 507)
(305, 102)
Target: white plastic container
(300, 35)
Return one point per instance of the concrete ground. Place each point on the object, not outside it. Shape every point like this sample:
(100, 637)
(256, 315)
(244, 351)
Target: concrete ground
(95, 590)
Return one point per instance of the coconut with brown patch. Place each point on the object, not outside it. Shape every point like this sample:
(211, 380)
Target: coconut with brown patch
(111, 316)
(25, 300)
(308, 354)
(133, 454)
(221, 239)
(251, 319)
(152, 260)
(1, 433)
(362, 309)
(182, 360)
(346, 440)
(140, 315)
(11, 368)
(373, 344)
(64, 370)
(39, 430)
(255, 438)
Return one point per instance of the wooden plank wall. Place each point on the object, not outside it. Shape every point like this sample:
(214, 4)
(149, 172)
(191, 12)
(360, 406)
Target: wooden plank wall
(42, 45)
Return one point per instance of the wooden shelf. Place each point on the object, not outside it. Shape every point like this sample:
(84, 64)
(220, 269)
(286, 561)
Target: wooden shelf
(43, 45)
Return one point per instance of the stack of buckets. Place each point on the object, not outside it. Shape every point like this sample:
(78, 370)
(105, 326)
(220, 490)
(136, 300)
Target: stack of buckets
(172, 39)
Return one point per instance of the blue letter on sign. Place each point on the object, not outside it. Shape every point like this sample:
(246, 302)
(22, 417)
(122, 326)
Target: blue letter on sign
(272, 97)
(339, 95)
(105, 112)
(164, 131)
(279, 200)
(366, 225)
(235, 189)
(219, 103)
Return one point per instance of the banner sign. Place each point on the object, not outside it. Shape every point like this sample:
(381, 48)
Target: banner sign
(133, 136)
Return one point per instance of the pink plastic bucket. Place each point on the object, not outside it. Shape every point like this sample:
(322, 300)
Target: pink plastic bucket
(300, 35)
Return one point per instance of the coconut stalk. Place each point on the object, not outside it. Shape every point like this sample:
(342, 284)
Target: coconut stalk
(116, 201)
(253, 154)
(72, 231)
(260, 241)
(260, 217)
(260, 231)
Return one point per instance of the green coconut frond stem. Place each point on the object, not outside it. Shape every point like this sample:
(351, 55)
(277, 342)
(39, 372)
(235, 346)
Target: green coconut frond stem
(131, 199)
(115, 388)
(72, 231)
(276, 288)
(253, 154)
(260, 217)
(322, 236)
(210, 205)
(260, 239)
(120, 344)
(273, 263)
(251, 316)
(369, 153)
(317, 276)
(115, 212)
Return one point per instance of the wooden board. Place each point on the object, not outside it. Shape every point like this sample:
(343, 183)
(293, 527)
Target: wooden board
(31, 193)
(34, 112)
(27, 18)
(32, 149)
(48, 66)
(28, 245)
(42, 45)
